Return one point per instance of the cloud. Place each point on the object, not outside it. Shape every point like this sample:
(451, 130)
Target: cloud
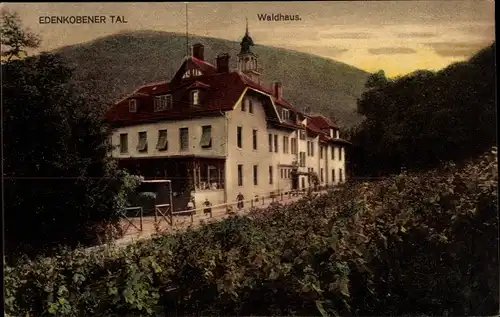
(345, 35)
(415, 34)
(481, 29)
(391, 50)
(319, 50)
(457, 49)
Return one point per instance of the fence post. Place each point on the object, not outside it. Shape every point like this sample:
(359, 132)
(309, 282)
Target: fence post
(281, 196)
(251, 203)
(192, 216)
(155, 212)
(171, 215)
(263, 200)
(140, 219)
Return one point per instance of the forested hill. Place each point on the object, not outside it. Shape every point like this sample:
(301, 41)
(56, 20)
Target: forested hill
(425, 118)
(125, 61)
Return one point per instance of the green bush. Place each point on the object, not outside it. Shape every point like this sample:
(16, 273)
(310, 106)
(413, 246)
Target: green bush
(412, 244)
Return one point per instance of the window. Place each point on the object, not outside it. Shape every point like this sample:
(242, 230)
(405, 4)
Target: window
(209, 176)
(270, 175)
(206, 136)
(337, 134)
(333, 175)
(333, 152)
(168, 101)
(281, 172)
(285, 144)
(312, 149)
(302, 159)
(192, 73)
(157, 104)
(294, 145)
(340, 175)
(195, 97)
(132, 105)
(308, 148)
(321, 152)
(162, 144)
(340, 154)
(239, 137)
(254, 138)
(250, 105)
(255, 175)
(240, 175)
(123, 143)
(184, 139)
(302, 134)
(142, 144)
(270, 142)
(285, 114)
(162, 102)
(276, 143)
(244, 104)
(321, 175)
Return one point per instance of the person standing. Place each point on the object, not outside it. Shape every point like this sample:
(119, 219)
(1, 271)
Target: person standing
(207, 209)
(240, 199)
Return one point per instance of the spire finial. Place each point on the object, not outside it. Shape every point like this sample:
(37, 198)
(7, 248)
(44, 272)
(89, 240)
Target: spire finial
(246, 30)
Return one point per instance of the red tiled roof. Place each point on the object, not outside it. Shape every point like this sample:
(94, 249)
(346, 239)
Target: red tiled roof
(205, 67)
(282, 102)
(327, 139)
(224, 90)
(198, 84)
(323, 122)
(313, 128)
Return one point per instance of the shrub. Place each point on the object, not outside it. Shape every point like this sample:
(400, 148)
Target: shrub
(412, 244)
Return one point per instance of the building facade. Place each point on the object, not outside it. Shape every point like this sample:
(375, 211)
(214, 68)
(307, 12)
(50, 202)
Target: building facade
(216, 132)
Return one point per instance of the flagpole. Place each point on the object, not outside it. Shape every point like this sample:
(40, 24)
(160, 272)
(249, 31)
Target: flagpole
(187, 33)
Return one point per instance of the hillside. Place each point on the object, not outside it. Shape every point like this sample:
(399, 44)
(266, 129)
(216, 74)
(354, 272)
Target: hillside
(125, 61)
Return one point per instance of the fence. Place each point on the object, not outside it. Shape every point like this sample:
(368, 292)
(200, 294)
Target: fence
(163, 213)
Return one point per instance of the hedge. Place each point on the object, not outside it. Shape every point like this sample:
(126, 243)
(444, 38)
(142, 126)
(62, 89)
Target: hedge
(412, 244)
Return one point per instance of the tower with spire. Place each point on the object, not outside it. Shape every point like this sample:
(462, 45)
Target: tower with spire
(248, 60)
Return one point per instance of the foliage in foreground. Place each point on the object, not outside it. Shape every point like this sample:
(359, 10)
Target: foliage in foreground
(413, 244)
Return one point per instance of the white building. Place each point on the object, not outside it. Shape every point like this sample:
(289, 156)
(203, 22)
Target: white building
(216, 133)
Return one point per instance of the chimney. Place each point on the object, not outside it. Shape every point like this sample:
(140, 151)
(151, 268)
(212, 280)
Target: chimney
(278, 90)
(222, 63)
(198, 50)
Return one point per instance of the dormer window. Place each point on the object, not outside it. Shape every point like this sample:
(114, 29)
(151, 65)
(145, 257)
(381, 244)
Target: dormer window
(132, 105)
(163, 103)
(285, 114)
(195, 97)
(337, 134)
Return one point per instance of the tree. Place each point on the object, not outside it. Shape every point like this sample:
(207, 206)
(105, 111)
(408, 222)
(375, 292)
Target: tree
(15, 39)
(424, 118)
(60, 183)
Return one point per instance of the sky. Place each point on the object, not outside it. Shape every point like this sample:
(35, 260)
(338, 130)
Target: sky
(396, 36)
